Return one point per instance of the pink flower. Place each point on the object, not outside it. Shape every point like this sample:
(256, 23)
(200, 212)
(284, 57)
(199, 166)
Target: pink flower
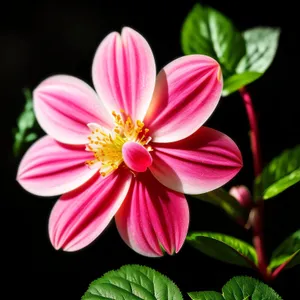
(130, 151)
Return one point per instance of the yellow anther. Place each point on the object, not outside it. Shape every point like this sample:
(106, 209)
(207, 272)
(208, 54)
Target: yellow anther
(139, 123)
(107, 147)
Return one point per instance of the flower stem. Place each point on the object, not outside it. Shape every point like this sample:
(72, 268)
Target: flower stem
(254, 132)
(256, 214)
(256, 221)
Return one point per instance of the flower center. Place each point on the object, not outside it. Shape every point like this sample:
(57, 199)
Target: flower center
(107, 145)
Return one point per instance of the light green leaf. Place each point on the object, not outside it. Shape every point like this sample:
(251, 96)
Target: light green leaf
(31, 137)
(224, 247)
(237, 81)
(206, 295)
(221, 198)
(239, 288)
(261, 47)
(207, 31)
(288, 252)
(23, 133)
(281, 173)
(133, 282)
(247, 288)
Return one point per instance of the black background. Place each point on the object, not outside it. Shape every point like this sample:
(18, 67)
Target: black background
(39, 39)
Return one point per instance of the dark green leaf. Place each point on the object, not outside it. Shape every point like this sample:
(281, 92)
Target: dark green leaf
(240, 288)
(207, 31)
(223, 247)
(237, 81)
(261, 47)
(287, 253)
(244, 288)
(206, 296)
(281, 173)
(133, 282)
(23, 133)
(221, 198)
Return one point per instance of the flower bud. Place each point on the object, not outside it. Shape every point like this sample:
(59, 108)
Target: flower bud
(242, 194)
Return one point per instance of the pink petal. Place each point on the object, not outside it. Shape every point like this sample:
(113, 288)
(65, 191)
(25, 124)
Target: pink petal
(186, 93)
(80, 216)
(64, 105)
(124, 73)
(198, 164)
(50, 168)
(136, 157)
(153, 217)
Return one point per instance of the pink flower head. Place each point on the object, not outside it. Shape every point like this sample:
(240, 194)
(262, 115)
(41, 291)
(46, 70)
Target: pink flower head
(131, 150)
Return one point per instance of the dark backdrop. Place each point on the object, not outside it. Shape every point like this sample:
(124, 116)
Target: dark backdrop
(52, 37)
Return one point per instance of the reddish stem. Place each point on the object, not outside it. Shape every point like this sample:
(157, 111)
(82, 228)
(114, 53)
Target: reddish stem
(256, 221)
(256, 214)
(278, 270)
(254, 132)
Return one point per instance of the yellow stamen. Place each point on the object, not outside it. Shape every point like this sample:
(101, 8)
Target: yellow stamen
(107, 146)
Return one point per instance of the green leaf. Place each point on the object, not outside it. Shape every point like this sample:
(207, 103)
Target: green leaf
(281, 173)
(133, 282)
(237, 81)
(221, 198)
(239, 288)
(261, 47)
(224, 247)
(31, 137)
(206, 295)
(207, 31)
(23, 133)
(246, 288)
(287, 253)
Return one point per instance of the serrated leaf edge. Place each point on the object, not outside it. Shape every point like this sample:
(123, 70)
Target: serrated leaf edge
(131, 266)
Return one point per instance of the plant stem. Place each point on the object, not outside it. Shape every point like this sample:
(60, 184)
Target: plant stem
(256, 214)
(278, 270)
(256, 221)
(254, 132)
